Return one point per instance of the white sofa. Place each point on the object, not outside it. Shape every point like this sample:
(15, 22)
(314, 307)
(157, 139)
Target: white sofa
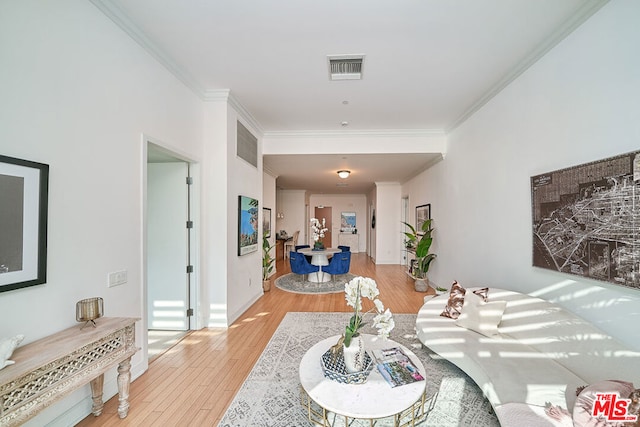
(542, 353)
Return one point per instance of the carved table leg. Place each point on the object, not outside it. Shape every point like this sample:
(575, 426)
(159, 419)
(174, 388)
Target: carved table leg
(124, 380)
(96, 395)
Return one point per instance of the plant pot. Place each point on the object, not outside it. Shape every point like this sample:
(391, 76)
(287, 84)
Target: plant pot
(354, 355)
(266, 285)
(422, 285)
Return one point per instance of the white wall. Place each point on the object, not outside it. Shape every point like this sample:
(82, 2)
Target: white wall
(244, 284)
(269, 201)
(77, 94)
(373, 223)
(579, 103)
(343, 203)
(293, 205)
(388, 227)
(232, 282)
(215, 228)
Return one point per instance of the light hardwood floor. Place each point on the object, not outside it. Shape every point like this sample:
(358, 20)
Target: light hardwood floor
(193, 383)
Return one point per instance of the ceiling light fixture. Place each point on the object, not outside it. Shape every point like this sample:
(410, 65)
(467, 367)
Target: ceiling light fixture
(344, 174)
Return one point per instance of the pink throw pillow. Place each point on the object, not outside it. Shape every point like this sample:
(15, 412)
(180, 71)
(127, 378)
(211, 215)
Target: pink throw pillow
(456, 299)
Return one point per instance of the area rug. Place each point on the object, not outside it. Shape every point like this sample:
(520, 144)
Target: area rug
(294, 283)
(270, 396)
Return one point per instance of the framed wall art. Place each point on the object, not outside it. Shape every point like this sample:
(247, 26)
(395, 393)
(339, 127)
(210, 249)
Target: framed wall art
(347, 222)
(247, 225)
(24, 187)
(423, 213)
(266, 222)
(586, 220)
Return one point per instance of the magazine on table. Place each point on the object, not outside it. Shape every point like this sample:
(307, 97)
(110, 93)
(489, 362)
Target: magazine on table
(396, 367)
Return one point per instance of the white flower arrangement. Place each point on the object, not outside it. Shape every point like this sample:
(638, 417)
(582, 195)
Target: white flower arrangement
(318, 228)
(355, 290)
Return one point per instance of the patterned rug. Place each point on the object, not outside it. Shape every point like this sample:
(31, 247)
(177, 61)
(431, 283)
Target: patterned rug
(293, 283)
(270, 396)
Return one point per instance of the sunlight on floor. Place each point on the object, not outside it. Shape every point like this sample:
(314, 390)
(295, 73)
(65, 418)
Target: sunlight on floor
(161, 341)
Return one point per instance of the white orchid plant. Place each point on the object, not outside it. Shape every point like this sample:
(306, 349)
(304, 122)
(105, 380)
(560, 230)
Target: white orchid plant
(355, 290)
(318, 228)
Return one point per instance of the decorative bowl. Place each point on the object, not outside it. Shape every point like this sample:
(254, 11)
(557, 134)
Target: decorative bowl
(334, 369)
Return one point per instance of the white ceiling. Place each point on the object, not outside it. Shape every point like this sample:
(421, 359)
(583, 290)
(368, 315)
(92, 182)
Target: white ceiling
(429, 64)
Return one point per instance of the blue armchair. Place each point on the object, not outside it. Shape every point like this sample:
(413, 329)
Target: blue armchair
(339, 264)
(344, 248)
(302, 247)
(300, 265)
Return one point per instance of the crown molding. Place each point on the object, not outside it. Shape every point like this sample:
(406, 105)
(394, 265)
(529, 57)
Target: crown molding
(589, 8)
(218, 95)
(269, 171)
(437, 159)
(113, 12)
(225, 95)
(245, 114)
(356, 133)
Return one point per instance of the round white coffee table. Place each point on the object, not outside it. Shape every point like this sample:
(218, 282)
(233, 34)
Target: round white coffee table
(371, 400)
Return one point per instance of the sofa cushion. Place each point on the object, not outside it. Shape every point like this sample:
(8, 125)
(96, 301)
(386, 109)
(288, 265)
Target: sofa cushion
(542, 355)
(456, 299)
(505, 368)
(480, 316)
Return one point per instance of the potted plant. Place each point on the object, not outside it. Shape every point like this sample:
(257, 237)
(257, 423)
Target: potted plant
(267, 263)
(419, 244)
(317, 232)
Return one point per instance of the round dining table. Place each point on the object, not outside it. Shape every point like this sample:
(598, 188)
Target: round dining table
(321, 259)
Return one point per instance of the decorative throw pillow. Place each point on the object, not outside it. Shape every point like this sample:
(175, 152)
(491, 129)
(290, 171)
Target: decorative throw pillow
(583, 408)
(480, 316)
(456, 299)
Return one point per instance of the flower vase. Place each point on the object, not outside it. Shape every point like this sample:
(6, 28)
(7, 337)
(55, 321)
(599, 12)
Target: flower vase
(354, 355)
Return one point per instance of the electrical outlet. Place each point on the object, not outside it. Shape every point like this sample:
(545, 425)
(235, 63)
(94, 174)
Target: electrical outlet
(117, 278)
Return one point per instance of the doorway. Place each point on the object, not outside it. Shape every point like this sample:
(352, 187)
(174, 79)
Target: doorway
(324, 212)
(169, 243)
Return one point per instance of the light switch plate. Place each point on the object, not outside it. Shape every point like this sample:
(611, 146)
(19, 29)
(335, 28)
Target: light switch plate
(117, 278)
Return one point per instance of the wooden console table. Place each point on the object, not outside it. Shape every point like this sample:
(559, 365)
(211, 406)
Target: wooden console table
(279, 249)
(48, 369)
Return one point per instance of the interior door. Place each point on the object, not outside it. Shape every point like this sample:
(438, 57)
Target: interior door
(167, 246)
(325, 212)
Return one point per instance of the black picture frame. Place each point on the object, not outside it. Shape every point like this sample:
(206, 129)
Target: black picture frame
(266, 222)
(423, 213)
(24, 191)
(247, 225)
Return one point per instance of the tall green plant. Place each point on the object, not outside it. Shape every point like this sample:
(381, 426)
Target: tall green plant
(267, 260)
(421, 243)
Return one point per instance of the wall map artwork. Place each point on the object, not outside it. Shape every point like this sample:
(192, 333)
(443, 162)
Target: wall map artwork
(586, 220)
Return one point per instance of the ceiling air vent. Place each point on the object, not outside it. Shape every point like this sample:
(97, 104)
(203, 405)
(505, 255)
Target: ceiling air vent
(345, 67)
